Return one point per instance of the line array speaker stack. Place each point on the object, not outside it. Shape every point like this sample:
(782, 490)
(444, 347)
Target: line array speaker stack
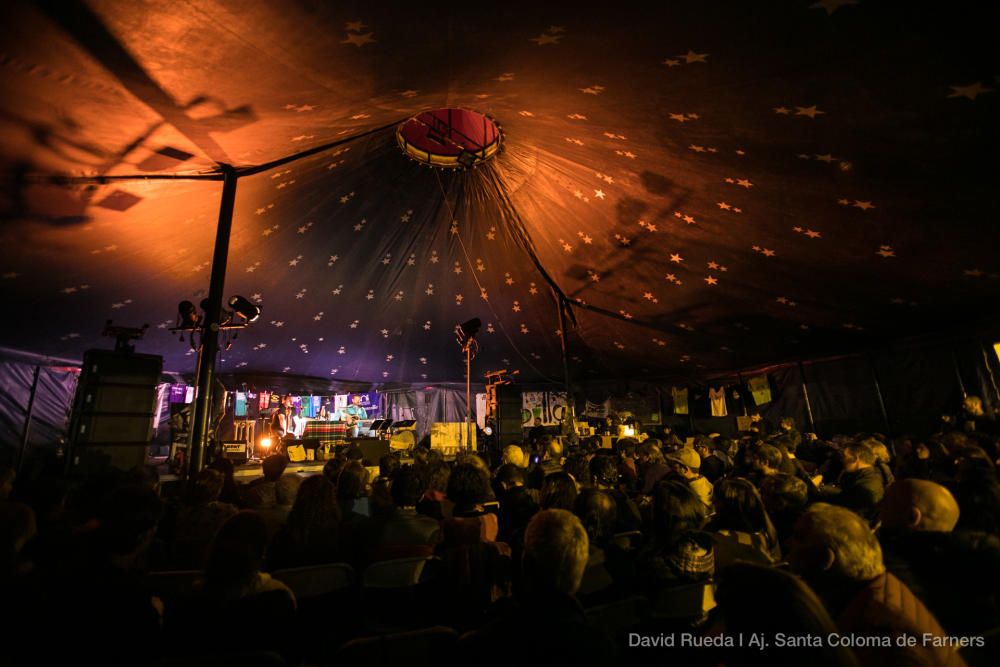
(508, 414)
(111, 425)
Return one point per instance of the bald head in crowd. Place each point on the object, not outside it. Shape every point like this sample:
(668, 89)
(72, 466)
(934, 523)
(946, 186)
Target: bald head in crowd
(833, 545)
(919, 505)
(556, 549)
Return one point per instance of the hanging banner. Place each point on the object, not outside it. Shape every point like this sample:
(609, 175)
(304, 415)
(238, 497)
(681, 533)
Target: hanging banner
(717, 401)
(548, 406)
(760, 389)
(680, 396)
(597, 410)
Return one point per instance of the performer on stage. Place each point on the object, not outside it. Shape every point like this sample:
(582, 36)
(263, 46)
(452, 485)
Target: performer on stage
(281, 421)
(353, 414)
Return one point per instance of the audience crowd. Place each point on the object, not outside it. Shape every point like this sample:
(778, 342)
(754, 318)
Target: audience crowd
(550, 554)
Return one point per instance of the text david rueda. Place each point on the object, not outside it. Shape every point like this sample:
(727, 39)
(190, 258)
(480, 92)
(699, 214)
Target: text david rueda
(760, 640)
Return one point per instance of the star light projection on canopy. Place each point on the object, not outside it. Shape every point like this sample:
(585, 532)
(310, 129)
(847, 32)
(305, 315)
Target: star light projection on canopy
(708, 190)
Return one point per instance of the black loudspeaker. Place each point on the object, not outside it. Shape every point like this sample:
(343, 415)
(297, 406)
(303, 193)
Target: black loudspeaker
(371, 449)
(509, 415)
(111, 425)
(235, 451)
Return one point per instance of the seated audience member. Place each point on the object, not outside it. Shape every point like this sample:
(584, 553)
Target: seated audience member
(604, 473)
(578, 466)
(17, 528)
(381, 497)
(680, 552)
(234, 569)
(469, 489)
(310, 534)
(861, 487)
(558, 492)
(352, 498)
(260, 493)
(402, 532)
(977, 491)
(285, 491)
(882, 460)
(434, 502)
(514, 455)
(785, 498)
(756, 600)
(236, 598)
(552, 461)
(913, 459)
(197, 522)
(333, 467)
(517, 503)
(956, 574)
(837, 554)
(766, 461)
(652, 467)
(546, 625)
(741, 528)
(231, 492)
(685, 463)
(609, 572)
(104, 587)
(716, 458)
(627, 463)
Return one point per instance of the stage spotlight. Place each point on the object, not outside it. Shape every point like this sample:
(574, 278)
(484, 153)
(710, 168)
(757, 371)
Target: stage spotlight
(467, 330)
(244, 308)
(187, 315)
(488, 430)
(265, 442)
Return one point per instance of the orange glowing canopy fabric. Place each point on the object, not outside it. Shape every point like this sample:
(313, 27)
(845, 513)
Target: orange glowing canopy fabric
(709, 187)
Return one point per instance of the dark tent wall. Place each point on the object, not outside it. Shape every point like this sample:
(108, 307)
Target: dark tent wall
(49, 418)
(426, 405)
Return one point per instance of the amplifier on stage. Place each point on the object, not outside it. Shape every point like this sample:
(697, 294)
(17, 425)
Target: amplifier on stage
(235, 451)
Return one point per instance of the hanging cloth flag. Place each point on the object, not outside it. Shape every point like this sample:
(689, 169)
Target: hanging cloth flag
(760, 389)
(680, 400)
(717, 400)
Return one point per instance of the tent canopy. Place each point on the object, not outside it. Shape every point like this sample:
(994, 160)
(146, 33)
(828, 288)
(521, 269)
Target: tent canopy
(709, 187)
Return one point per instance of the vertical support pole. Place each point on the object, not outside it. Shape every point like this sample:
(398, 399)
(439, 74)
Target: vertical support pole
(468, 395)
(743, 393)
(805, 395)
(210, 332)
(569, 420)
(958, 373)
(878, 393)
(26, 432)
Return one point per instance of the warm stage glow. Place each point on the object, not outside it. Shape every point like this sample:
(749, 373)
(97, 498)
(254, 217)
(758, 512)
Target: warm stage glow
(265, 442)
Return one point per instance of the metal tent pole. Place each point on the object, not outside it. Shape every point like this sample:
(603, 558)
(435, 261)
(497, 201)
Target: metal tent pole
(25, 434)
(468, 395)
(213, 313)
(569, 420)
(805, 395)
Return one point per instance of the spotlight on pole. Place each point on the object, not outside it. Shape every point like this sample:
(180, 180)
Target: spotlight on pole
(244, 308)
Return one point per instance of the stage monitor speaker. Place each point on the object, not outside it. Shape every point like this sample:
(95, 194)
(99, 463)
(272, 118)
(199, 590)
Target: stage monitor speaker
(509, 415)
(111, 425)
(371, 449)
(235, 451)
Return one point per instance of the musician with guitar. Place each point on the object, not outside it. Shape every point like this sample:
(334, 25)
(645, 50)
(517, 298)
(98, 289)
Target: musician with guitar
(353, 414)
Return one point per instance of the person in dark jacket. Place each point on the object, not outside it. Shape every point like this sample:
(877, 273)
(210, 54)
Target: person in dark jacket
(923, 550)
(861, 485)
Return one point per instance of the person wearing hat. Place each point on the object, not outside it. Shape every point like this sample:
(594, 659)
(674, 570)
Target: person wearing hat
(686, 463)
